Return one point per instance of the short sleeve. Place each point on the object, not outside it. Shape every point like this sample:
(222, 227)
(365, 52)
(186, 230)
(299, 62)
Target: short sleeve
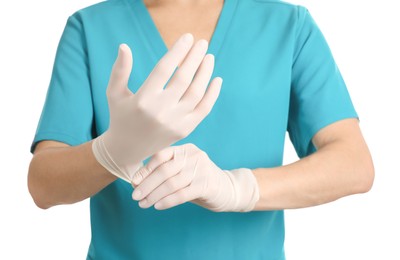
(67, 114)
(318, 95)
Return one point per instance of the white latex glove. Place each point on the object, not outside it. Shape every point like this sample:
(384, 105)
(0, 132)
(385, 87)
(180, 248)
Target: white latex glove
(153, 118)
(179, 174)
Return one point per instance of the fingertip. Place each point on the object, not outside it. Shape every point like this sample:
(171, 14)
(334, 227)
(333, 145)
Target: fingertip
(134, 184)
(157, 206)
(123, 47)
(180, 154)
(161, 206)
(125, 55)
(209, 99)
(220, 80)
(211, 57)
(214, 89)
(187, 38)
(121, 71)
(137, 178)
(124, 50)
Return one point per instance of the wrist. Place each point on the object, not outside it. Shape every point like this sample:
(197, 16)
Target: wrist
(233, 191)
(219, 196)
(105, 158)
(245, 192)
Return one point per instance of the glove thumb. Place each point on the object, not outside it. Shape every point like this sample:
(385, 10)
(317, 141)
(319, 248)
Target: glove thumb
(121, 71)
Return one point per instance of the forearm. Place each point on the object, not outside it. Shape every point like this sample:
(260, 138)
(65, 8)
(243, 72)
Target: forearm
(334, 171)
(65, 175)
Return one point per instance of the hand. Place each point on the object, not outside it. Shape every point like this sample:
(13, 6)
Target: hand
(153, 118)
(179, 174)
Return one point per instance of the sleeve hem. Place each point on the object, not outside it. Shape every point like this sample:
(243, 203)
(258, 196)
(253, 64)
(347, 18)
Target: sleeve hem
(317, 127)
(55, 136)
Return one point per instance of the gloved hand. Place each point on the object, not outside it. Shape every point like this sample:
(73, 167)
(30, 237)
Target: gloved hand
(153, 118)
(179, 174)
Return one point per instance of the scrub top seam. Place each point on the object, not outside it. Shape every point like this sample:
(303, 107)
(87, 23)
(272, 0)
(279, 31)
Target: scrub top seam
(143, 17)
(136, 22)
(231, 12)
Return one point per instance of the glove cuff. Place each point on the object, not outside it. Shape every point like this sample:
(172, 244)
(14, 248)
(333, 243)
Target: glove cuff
(245, 190)
(102, 155)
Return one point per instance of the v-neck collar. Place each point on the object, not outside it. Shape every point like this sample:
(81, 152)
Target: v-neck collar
(154, 38)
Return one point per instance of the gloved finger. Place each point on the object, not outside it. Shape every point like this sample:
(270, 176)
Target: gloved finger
(121, 71)
(159, 175)
(183, 77)
(188, 192)
(181, 196)
(167, 64)
(205, 105)
(155, 161)
(132, 169)
(177, 182)
(196, 90)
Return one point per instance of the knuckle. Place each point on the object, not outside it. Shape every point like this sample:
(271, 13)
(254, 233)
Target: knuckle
(202, 154)
(162, 120)
(204, 110)
(181, 133)
(164, 171)
(188, 178)
(178, 132)
(181, 196)
(182, 79)
(163, 69)
(158, 158)
(191, 146)
(141, 105)
(195, 94)
(171, 185)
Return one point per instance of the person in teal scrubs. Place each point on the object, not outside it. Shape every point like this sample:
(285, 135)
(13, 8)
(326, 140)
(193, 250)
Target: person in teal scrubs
(278, 76)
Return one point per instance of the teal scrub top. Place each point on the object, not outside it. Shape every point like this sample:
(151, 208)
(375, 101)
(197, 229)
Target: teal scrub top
(279, 76)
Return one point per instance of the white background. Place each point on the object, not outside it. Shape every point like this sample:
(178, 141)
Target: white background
(362, 36)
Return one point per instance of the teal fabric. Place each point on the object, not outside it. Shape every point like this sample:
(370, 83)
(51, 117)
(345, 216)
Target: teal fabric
(279, 75)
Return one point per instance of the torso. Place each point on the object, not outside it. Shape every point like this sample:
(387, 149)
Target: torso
(173, 20)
